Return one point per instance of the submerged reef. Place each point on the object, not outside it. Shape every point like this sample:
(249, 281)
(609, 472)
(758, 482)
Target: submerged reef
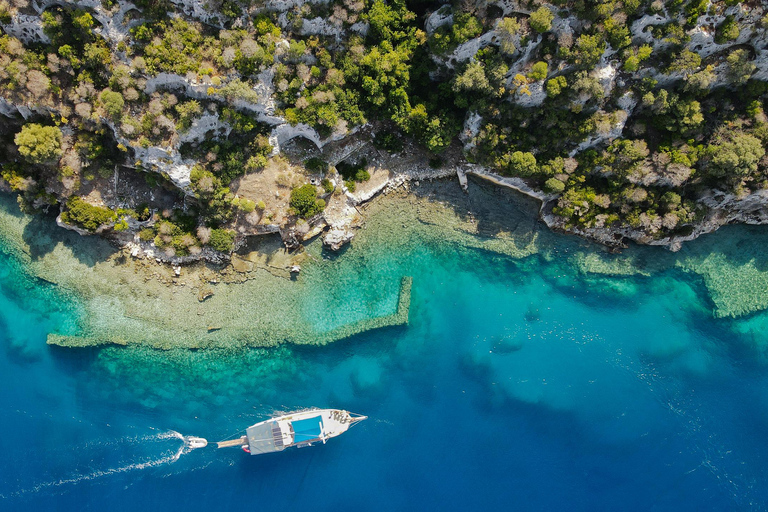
(118, 300)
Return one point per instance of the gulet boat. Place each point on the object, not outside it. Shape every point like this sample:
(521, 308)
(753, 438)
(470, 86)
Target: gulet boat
(297, 429)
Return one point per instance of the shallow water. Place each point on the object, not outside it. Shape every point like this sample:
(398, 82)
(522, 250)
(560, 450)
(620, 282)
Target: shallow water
(520, 383)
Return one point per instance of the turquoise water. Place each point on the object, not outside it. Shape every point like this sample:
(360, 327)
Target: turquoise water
(519, 384)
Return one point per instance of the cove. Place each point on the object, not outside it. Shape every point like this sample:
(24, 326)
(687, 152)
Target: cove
(536, 372)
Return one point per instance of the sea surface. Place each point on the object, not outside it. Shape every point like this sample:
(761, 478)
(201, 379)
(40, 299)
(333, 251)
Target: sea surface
(518, 385)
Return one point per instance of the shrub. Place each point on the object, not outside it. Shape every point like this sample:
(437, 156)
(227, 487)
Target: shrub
(222, 240)
(520, 164)
(727, 31)
(146, 234)
(538, 71)
(388, 141)
(554, 186)
(556, 85)
(113, 102)
(86, 216)
(316, 165)
(541, 19)
(304, 201)
(39, 143)
(354, 172)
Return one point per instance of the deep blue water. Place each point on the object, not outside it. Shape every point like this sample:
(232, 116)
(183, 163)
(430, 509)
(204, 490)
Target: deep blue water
(517, 386)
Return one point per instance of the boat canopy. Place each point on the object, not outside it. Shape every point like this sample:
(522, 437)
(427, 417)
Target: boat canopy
(264, 438)
(307, 429)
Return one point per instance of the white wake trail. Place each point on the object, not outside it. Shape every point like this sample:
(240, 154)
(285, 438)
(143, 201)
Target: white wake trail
(96, 474)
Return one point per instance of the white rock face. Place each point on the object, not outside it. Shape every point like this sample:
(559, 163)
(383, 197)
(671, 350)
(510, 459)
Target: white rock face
(639, 28)
(172, 81)
(199, 10)
(598, 138)
(285, 5)
(606, 75)
(337, 237)
(360, 28)
(166, 162)
(437, 19)
(27, 29)
(202, 128)
(472, 125)
(10, 110)
(319, 26)
(468, 50)
(535, 98)
(285, 132)
(628, 102)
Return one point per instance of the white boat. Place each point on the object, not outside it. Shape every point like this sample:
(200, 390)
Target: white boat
(193, 443)
(295, 429)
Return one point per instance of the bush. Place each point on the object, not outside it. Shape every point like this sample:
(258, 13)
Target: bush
(304, 201)
(222, 240)
(354, 172)
(113, 103)
(316, 165)
(388, 141)
(541, 19)
(727, 31)
(520, 164)
(554, 186)
(556, 85)
(146, 234)
(39, 143)
(86, 216)
(538, 71)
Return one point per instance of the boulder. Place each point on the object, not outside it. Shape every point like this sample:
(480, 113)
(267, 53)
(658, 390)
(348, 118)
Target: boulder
(336, 238)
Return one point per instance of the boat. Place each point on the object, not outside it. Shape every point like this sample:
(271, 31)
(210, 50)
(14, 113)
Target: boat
(193, 443)
(298, 429)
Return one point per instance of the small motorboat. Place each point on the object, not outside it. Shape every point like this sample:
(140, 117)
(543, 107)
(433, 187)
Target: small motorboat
(194, 443)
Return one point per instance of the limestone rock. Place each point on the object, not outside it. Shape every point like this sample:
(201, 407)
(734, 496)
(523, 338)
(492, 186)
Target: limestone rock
(336, 238)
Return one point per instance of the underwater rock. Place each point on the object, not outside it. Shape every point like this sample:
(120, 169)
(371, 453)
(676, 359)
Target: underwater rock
(204, 294)
(336, 238)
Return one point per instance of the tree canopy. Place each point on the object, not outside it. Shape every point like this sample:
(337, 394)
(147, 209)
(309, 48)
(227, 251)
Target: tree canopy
(39, 143)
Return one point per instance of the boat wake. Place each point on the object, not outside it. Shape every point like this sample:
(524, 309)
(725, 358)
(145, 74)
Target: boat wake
(168, 457)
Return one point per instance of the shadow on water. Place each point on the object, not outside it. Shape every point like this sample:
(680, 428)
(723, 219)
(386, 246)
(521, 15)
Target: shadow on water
(42, 235)
(495, 209)
(71, 361)
(366, 344)
(18, 349)
(740, 244)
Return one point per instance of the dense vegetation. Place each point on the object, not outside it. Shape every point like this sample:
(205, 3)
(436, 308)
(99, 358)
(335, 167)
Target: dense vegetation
(628, 120)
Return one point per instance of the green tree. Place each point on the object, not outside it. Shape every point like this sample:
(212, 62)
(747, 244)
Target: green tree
(541, 19)
(685, 61)
(554, 186)
(587, 51)
(556, 85)
(507, 29)
(727, 31)
(739, 66)
(113, 103)
(221, 240)
(538, 71)
(473, 79)
(86, 215)
(520, 163)
(736, 155)
(304, 201)
(39, 143)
